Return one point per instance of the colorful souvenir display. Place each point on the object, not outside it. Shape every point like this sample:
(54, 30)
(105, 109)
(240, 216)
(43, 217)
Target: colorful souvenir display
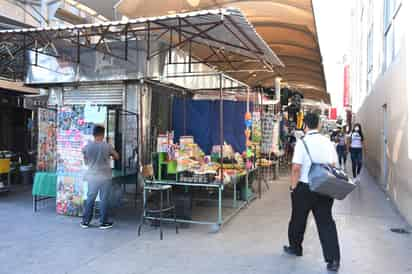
(70, 194)
(164, 141)
(248, 134)
(46, 157)
(75, 130)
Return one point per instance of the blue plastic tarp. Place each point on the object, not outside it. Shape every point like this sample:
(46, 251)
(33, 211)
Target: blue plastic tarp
(202, 122)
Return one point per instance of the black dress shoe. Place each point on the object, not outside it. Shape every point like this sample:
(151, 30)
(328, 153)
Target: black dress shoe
(291, 251)
(333, 266)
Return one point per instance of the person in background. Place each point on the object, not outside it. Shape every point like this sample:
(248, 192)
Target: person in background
(304, 200)
(98, 176)
(341, 147)
(356, 149)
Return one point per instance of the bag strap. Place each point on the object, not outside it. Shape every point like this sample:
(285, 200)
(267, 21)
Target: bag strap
(307, 150)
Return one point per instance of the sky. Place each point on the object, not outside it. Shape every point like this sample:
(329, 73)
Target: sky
(334, 32)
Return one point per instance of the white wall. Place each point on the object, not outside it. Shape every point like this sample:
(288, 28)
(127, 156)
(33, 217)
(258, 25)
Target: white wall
(391, 89)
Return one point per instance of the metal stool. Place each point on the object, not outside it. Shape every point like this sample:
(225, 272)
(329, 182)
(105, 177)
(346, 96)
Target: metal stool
(169, 206)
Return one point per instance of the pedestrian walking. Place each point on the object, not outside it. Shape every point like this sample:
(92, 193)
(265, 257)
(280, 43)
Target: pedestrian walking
(356, 149)
(341, 147)
(305, 201)
(98, 176)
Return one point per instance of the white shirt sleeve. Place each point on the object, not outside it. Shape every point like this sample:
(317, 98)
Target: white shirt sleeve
(299, 154)
(333, 156)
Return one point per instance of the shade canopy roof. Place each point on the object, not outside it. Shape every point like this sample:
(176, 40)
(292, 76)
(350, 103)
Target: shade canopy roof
(17, 87)
(287, 26)
(222, 38)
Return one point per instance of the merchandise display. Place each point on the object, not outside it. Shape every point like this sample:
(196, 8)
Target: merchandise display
(186, 162)
(74, 132)
(268, 125)
(46, 158)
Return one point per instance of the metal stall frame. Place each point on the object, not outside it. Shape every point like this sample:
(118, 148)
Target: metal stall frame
(218, 185)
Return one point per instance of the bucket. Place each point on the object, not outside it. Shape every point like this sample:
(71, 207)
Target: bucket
(26, 173)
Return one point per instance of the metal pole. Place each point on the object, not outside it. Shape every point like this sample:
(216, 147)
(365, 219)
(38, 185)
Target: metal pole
(219, 216)
(124, 130)
(221, 125)
(141, 160)
(247, 169)
(260, 102)
(184, 114)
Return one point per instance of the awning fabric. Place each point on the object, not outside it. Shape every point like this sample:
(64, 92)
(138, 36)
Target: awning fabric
(287, 26)
(17, 87)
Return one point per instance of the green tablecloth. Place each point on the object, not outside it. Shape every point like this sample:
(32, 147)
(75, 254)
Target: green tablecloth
(45, 184)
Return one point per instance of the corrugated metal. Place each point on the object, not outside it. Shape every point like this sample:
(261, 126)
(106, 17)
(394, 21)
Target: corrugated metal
(238, 24)
(97, 95)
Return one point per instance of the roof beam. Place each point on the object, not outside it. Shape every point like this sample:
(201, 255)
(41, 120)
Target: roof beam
(281, 2)
(300, 59)
(292, 44)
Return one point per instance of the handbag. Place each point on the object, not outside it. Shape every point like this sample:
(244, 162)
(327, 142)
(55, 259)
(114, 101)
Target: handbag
(328, 180)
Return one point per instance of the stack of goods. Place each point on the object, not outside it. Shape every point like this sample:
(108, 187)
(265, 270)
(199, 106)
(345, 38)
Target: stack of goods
(189, 155)
(197, 177)
(264, 162)
(192, 164)
(164, 141)
(228, 153)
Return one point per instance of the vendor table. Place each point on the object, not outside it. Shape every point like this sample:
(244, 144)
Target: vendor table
(220, 221)
(44, 186)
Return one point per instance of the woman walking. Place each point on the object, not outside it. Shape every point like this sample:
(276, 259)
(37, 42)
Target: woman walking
(341, 147)
(356, 149)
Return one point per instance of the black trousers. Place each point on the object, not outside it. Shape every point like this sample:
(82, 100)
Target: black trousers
(304, 201)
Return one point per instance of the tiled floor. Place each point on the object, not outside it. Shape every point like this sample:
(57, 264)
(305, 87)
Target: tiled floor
(252, 243)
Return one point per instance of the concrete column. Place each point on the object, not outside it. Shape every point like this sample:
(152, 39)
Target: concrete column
(278, 81)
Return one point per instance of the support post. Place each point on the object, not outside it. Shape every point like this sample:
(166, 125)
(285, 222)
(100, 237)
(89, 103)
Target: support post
(260, 102)
(247, 169)
(184, 115)
(221, 125)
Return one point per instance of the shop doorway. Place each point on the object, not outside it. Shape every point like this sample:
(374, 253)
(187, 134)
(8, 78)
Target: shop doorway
(385, 146)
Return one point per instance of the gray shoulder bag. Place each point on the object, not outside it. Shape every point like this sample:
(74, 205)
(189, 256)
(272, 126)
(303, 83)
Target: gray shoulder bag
(328, 180)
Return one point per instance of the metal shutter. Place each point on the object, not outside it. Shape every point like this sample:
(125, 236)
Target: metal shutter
(99, 95)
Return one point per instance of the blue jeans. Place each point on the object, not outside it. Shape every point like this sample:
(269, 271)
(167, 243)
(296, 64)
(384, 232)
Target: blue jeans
(356, 157)
(341, 150)
(94, 187)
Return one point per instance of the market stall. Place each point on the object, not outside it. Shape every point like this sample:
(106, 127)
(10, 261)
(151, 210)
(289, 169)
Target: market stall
(63, 132)
(181, 162)
(90, 68)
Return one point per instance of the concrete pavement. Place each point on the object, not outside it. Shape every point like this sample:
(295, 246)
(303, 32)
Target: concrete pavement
(251, 243)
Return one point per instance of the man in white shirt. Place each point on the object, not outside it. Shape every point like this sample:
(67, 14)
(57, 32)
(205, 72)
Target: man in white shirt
(304, 201)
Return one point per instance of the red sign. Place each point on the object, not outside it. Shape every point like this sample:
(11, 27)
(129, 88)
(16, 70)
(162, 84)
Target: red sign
(346, 94)
(333, 114)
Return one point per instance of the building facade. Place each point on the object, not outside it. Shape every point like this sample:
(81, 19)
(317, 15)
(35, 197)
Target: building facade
(380, 93)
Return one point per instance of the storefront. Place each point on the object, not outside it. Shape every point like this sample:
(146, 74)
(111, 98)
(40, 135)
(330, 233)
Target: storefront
(16, 145)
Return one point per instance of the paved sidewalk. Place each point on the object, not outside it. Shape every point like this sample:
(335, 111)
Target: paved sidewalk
(252, 243)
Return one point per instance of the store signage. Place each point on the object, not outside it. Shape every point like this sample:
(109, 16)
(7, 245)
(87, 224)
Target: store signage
(35, 102)
(333, 114)
(346, 91)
